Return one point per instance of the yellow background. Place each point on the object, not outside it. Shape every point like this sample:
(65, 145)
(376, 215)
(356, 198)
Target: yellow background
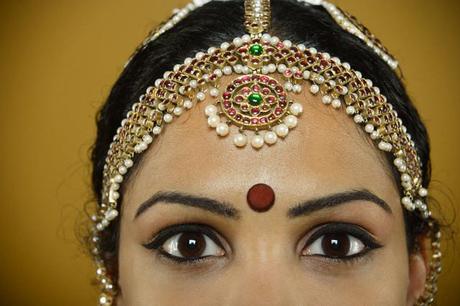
(58, 62)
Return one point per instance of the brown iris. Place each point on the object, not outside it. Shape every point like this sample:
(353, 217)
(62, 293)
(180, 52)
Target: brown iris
(336, 244)
(191, 244)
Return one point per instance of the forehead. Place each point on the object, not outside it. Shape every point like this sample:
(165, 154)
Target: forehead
(325, 153)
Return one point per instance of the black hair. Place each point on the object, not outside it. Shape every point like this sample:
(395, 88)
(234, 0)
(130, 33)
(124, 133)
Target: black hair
(221, 21)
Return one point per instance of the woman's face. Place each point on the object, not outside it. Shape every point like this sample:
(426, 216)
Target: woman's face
(346, 246)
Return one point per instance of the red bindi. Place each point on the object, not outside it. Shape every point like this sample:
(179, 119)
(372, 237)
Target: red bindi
(261, 197)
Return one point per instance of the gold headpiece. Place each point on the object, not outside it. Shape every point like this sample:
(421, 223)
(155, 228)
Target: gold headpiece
(263, 108)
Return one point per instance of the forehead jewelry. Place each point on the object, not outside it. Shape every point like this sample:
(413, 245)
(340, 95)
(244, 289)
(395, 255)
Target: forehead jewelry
(266, 75)
(260, 197)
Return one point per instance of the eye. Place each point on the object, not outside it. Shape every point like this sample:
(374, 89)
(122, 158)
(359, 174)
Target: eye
(191, 244)
(336, 245)
(340, 241)
(187, 243)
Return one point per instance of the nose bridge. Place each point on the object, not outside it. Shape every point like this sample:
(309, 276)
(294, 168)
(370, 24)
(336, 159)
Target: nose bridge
(263, 276)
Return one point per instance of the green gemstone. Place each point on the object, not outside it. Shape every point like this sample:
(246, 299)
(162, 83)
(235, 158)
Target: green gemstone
(256, 50)
(255, 99)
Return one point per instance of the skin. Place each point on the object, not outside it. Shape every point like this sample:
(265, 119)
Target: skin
(261, 262)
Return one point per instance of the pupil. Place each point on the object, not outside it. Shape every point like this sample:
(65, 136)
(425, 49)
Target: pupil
(191, 244)
(336, 244)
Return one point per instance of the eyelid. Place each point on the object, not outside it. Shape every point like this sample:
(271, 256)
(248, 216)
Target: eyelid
(355, 230)
(169, 231)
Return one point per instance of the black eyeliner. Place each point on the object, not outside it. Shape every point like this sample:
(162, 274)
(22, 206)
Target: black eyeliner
(170, 231)
(370, 243)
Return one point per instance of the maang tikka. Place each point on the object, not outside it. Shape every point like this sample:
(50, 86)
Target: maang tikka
(266, 74)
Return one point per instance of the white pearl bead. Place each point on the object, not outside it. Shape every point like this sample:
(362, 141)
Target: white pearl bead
(358, 118)
(405, 177)
(398, 162)
(270, 137)
(266, 37)
(156, 130)
(210, 110)
(290, 121)
(193, 84)
(314, 89)
(336, 103)
(213, 121)
(287, 43)
(327, 100)
(385, 146)
(240, 140)
(111, 214)
(274, 40)
(200, 96)
(218, 72)
(350, 110)
(237, 41)
(122, 170)
(178, 111)
(188, 104)
(147, 139)
(271, 68)
(246, 38)
(369, 128)
(238, 68)
(297, 88)
(222, 129)
(296, 109)
(214, 92)
(288, 86)
(281, 130)
(282, 68)
(374, 135)
(224, 45)
(167, 118)
(422, 192)
(128, 163)
(257, 141)
(227, 70)
(306, 74)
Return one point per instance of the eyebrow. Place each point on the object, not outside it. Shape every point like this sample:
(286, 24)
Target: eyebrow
(224, 209)
(337, 199)
(227, 210)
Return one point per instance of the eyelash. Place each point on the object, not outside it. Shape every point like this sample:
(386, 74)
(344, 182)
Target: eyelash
(352, 230)
(355, 231)
(171, 231)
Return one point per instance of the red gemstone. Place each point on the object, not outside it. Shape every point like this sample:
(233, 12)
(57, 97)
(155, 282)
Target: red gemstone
(255, 111)
(238, 117)
(227, 95)
(239, 99)
(227, 104)
(278, 111)
(265, 91)
(260, 197)
(256, 88)
(254, 120)
(263, 120)
(264, 79)
(232, 111)
(245, 91)
(246, 78)
(270, 99)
